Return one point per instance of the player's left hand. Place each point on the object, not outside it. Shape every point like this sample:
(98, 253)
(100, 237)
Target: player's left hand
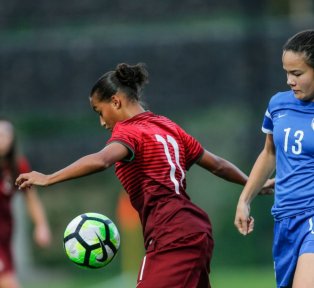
(26, 180)
(243, 221)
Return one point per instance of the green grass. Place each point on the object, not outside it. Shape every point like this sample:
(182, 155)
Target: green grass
(262, 277)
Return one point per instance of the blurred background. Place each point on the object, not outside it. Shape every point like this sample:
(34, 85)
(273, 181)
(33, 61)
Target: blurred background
(213, 66)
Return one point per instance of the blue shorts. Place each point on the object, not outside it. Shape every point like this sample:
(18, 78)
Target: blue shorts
(293, 237)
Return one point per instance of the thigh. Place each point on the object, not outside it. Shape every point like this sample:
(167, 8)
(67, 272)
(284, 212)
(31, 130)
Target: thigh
(304, 277)
(181, 264)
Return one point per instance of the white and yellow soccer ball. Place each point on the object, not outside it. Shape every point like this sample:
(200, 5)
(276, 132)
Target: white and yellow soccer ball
(91, 240)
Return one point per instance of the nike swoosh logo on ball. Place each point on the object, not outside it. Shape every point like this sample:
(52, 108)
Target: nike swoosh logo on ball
(104, 251)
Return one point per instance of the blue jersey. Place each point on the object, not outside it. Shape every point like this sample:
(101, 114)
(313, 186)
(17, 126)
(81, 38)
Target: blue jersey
(291, 121)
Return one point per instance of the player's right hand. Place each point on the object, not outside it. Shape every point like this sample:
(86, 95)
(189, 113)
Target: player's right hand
(243, 221)
(26, 180)
(268, 188)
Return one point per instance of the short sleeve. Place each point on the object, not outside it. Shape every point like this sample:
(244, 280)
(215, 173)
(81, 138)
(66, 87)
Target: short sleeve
(23, 165)
(267, 126)
(127, 137)
(193, 149)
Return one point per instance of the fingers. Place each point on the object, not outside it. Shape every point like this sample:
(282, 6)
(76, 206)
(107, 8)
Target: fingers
(244, 225)
(24, 185)
(266, 191)
(250, 225)
(268, 187)
(23, 182)
(241, 225)
(271, 183)
(26, 180)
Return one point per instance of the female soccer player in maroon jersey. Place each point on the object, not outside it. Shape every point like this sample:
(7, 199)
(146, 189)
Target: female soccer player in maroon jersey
(151, 156)
(10, 166)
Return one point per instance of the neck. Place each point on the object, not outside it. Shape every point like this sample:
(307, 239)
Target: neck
(133, 110)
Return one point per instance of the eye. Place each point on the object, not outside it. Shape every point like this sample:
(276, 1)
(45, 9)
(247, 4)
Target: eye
(297, 73)
(98, 112)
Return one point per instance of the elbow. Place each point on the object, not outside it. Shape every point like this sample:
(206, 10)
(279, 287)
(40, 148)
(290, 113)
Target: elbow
(221, 165)
(105, 164)
(218, 171)
(221, 169)
(97, 163)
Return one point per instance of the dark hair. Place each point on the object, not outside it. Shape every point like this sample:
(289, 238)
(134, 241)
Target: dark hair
(10, 159)
(127, 78)
(302, 42)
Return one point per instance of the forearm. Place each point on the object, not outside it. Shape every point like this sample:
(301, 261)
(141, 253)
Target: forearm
(222, 168)
(84, 166)
(261, 171)
(230, 172)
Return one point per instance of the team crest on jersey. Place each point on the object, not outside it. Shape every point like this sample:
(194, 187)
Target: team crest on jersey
(312, 124)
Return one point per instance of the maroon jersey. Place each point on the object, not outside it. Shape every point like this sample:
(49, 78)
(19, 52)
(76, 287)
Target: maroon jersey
(7, 189)
(154, 176)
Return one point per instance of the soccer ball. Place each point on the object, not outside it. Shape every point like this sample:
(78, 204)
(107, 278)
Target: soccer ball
(91, 240)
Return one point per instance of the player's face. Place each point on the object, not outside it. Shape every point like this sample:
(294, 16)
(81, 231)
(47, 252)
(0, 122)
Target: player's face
(300, 76)
(106, 110)
(6, 137)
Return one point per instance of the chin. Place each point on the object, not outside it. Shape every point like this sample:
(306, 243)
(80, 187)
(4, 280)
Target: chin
(305, 97)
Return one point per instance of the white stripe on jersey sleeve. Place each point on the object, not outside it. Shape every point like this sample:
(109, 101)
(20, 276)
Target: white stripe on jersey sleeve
(266, 131)
(267, 114)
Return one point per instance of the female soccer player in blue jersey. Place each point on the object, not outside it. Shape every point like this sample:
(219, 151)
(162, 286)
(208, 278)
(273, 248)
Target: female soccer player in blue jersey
(289, 149)
(151, 155)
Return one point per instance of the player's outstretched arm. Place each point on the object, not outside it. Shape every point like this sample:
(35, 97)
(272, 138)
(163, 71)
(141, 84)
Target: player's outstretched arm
(228, 171)
(222, 168)
(86, 165)
(261, 171)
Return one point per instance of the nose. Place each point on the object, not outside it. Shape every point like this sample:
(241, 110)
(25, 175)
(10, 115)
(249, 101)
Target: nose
(291, 80)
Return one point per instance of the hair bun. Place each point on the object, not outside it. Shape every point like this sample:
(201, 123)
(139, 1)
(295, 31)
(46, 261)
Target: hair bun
(132, 76)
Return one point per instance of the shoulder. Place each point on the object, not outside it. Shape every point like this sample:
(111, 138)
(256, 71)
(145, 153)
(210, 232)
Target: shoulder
(281, 100)
(282, 97)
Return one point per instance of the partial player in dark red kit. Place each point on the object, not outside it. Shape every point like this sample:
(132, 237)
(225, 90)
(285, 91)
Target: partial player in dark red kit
(151, 155)
(10, 166)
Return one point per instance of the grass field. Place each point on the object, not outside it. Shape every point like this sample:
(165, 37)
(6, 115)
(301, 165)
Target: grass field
(220, 278)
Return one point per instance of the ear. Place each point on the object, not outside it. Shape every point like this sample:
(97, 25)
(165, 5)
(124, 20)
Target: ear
(116, 101)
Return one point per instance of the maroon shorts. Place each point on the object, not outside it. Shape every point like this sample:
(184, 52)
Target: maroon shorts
(183, 263)
(6, 260)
